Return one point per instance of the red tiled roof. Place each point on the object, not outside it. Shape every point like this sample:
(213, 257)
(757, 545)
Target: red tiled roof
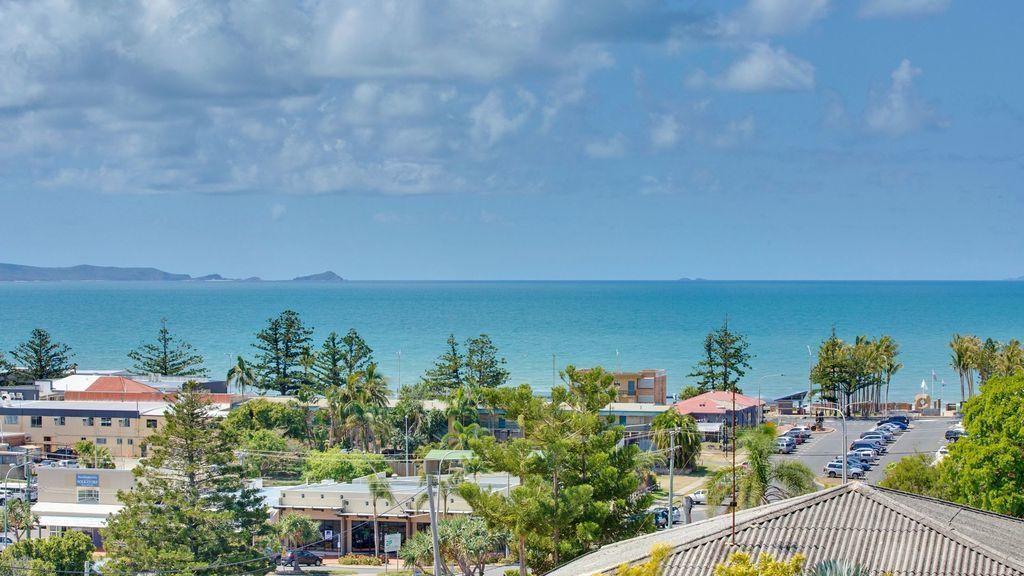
(120, 384)
(714, 403)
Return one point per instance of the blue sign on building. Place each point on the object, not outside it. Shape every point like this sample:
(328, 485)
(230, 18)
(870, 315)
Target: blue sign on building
(87, 480)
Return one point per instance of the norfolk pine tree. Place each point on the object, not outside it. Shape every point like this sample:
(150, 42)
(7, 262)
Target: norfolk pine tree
(725, 361)
(190, 509)
(41, 358)
(168, 356)
(281, 345)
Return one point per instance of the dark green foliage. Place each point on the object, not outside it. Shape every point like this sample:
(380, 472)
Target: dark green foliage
(190, 508)
(281, 346)
(484, 368)
(725, 361)
(579, 487)
(41, 358)
(689, 392)
(448, 373)
(687, 437)
(169, 356)
(356, 355)
(330, 369)
(60, 553)
(913, 474)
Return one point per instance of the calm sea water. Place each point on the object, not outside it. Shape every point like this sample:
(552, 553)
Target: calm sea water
(632, 324)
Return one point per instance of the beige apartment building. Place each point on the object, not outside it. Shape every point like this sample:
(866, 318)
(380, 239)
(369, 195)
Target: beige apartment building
(642, 387)
(121, 427)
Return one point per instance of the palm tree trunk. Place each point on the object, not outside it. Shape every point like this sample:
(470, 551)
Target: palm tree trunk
(376, 534)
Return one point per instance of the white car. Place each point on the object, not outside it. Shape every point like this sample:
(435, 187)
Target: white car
(940, 454)
(699, 497)
(835, 469)
(866, 454)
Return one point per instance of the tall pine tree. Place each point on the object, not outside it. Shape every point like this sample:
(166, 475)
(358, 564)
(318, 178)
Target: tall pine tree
(281, 345)
(725, 361)
(449, 371)
(356, 354)
(41, 358)
(169, 356)
(190, 510)
(484, 368)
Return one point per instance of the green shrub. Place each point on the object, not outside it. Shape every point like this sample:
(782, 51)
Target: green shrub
(353, 560)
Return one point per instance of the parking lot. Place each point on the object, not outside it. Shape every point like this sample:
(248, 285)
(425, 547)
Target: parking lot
(925, 435)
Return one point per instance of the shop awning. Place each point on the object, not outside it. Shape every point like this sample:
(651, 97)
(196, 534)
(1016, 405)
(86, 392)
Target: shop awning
(73, 521)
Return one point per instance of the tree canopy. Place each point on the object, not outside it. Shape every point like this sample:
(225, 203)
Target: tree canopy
(764, 479)
(280, 347)
(687, 437)
(580, 486)
(190, 508)
(63, 553)
(169, 356)
(41, 358)
(333, 464)
(725, 360)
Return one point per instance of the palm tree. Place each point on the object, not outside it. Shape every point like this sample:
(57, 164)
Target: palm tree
(243, 375)
(687, 437)
(763, 479)
(379, 490)
(964, 360)
(373, 387)
(297, 530)
(1011, 359)
(889, 350)
(462, 436)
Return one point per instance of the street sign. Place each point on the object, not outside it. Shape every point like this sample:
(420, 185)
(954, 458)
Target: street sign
(328, 534)
(392, 542)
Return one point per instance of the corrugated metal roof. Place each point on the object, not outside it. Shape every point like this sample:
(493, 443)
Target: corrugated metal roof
(882, 530)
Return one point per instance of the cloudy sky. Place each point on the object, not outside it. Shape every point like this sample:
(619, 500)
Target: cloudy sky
(547, 139)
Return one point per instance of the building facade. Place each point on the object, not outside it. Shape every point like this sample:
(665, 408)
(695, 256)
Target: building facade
(79, 499)
(643, 387)
(345, 510)
(717, 406)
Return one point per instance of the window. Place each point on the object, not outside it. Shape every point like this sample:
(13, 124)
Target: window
(631, 387)
(88, 421)
(88, 496)
(622, 420)
(151, 423)
(125, 422)
(501, 423)
(120, 441)
(37, 422)
(101, 441)
(131, 441)
(58, 420)
(105, 422)
(10, 418)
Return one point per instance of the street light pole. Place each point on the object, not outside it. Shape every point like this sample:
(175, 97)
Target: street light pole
(671, 473)
(845, 445)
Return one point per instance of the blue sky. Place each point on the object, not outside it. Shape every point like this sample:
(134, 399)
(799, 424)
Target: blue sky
(761, 139)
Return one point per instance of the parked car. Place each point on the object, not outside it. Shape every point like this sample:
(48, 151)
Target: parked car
(805, 431)
(898, 419)
(865, 454)
(875, 436)
(892, 427)
(660, 514)
(795, 435)
(64, 454)
(940, 454)
(875, 445)
(955, 434)
(785, 445)
(699, 497)
(852, 462)
(5, 541)
(302, 557)
(834, 469)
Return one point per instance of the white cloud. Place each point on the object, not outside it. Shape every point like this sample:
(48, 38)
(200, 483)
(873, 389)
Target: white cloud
(736, 132)
(897, 110)
(763, 68)
(491, 122)
(900, 8)
(665, 131)
(614, 147)
(277, 211)
(761, 18)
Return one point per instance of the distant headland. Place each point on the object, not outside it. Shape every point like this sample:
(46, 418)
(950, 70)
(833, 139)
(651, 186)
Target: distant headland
(86, 272)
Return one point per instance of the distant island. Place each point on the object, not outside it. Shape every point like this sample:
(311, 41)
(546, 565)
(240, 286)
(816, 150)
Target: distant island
(86, 272)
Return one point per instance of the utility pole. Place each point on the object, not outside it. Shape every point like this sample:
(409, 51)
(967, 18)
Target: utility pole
(438, 570)
(87, 566)
(671, 474)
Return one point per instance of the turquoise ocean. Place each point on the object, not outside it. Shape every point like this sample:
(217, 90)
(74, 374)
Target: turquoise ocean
(629, 324)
